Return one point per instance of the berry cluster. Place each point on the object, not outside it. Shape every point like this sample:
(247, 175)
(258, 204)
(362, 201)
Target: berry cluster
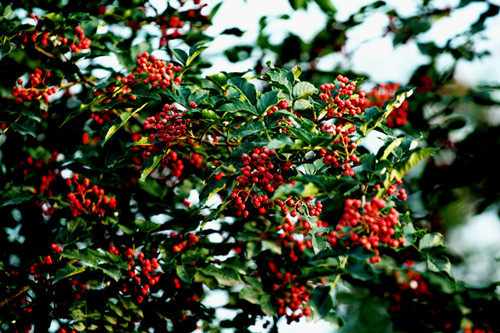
(80, 42)
(183, 242)
(144, 274)
(170, 28)
(294, 206)
(343, 152)
(166, 127)
(259, 177)
(83, 42)
(88, 199)
(379, 95)
(150, 71)
(367, 224)
(33, 35)
(37, 89)
(45, 187)
(339, 98)
(283, 105)
(38, 270)
(292, 295)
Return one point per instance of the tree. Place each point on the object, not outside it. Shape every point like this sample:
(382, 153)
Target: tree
(128, 194)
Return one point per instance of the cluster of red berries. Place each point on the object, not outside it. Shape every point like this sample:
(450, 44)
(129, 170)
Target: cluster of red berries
(43, 188)
(183, 242)
(259, 173)
(37, 89)
(38, 269)
(382, 93)
(88, 199)
(283, 105)
(344, 153)
(293, 296)
(392, 188)
(368, 225)
(173, 163)
(477, 330)
(33, 35)
(166, 127)
(170, 28)
(159, 72)
(82, 44)
(150, 71)
(339, 98)
(144, 274)
(294, 206)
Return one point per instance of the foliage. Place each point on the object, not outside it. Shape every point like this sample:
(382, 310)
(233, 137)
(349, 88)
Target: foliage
(128, 197)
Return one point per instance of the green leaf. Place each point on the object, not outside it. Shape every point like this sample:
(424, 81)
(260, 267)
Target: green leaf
(326, 6)
(68, 271)
(5, 49)
(301, 134)
(431, 240)
(267, 100)
(321, 300)
(280, 142)
(319, 243)
(302, 104)
(416, 157)
(195, 51)
(246, 88)
(303, 89)
(224, 276)
(152, 163)
(236, 105)
(266, 305)
(249, 294)
(97, 260)
(391, 148)
(119, 122)
(280, 81)
(220, 79)
(15, 197)
(439, 264)
(181, 56)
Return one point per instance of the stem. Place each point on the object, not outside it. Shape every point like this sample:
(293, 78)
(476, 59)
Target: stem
(343, 262)
(19, 293)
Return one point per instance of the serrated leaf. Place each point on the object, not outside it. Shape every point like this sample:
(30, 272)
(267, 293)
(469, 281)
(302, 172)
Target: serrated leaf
(319, 243)
(119, 122)
(220, 79)
(303, 89)
(431, 240)
(68, 271)
(266, 305)
(155, 160)
(279, 80)
(249, 294)
(415, 157)
(267, 100)
(321, 300)
(302, 104)
(391, 148)
(224, 276)
(246, 88)
(181, 56)
(439, 264)
(237, 105)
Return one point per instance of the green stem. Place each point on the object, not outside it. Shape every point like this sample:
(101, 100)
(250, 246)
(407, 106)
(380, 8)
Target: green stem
(343, 262)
